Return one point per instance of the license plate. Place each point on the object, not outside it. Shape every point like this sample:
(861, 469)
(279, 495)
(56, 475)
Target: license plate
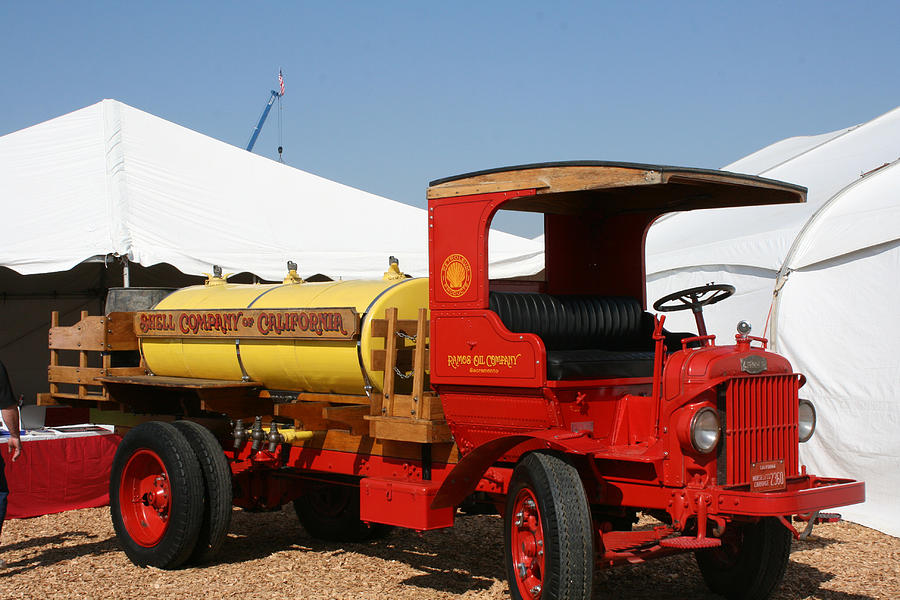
(767, 476)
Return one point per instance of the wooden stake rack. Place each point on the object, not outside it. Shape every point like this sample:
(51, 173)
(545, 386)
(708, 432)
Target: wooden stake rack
(322, 412)
(93, 338)
(418, 415)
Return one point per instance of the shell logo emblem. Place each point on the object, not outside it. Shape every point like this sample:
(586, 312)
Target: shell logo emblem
(456, 275)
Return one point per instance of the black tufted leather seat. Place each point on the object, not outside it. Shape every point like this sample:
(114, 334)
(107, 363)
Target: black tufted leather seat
(586, 337)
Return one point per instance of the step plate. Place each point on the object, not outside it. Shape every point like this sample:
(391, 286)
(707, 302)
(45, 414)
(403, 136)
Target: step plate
(687, 542)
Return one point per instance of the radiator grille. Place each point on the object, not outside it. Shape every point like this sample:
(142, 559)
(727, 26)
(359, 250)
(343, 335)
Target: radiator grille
(760, 424)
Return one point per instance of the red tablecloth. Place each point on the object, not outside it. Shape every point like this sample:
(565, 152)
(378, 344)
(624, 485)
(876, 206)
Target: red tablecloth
(54, 475)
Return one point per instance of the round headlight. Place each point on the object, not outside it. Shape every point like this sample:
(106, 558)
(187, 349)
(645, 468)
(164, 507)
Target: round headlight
(807, 421)
(705, 430)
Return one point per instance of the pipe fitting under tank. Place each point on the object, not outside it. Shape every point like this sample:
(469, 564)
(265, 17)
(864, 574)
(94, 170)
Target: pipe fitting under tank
(239, 434)
(257, 434)
(274, 437)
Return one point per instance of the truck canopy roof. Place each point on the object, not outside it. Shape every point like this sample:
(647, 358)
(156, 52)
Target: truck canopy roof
(596, 216)
(574, 187)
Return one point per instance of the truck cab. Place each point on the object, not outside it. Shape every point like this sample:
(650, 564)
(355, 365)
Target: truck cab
(570, 373)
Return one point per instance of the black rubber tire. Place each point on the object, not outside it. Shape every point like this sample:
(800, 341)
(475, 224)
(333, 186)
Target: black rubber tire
(330, 511)
(216, 490)
(186, 487)
(566, 526)
(751, 563)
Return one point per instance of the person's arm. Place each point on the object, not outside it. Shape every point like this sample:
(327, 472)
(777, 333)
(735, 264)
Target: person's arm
(11, 418)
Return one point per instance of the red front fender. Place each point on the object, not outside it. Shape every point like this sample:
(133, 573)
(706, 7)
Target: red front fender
(464, 477)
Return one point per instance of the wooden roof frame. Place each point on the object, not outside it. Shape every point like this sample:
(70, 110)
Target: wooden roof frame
(574, 187)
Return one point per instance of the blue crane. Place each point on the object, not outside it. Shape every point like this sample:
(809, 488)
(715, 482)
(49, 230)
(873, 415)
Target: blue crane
(265, 113)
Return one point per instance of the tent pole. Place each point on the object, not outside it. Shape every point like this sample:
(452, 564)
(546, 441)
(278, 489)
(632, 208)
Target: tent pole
(126, 276)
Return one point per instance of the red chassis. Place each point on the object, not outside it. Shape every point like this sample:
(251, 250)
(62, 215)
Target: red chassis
(628, 474)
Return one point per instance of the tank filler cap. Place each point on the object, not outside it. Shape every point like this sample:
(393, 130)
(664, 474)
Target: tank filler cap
(393, 273)
(743, 328)
(217, 278)
(292, 276)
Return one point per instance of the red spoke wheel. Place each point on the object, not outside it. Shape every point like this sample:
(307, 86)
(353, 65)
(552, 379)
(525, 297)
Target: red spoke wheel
(527, 543)
(156, 496)
(751, 561)
(547, 531)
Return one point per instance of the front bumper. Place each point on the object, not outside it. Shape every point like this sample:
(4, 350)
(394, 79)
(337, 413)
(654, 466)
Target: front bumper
(804, 495)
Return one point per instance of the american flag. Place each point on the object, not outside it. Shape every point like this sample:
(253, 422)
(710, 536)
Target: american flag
(281, 81)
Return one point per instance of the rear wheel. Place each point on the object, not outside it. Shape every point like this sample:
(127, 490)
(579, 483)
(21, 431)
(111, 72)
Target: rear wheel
(156, 496)
(751, 561)
(330, 511)
(547, 531)
(216, 490)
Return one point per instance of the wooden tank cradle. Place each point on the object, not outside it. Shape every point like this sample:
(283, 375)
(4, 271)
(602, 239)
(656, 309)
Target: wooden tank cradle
(341, 421)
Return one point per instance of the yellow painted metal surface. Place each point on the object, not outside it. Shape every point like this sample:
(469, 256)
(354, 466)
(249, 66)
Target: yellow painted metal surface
(321, 366)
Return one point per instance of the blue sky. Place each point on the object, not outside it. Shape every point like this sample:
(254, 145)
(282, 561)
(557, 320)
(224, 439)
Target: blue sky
(386, 96)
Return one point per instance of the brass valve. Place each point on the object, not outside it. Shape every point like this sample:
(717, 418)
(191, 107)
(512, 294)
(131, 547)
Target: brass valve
(393, 273)
(217, 278)
(292, 275)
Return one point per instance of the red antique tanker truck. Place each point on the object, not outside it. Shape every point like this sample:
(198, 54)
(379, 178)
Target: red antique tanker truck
(559, 401)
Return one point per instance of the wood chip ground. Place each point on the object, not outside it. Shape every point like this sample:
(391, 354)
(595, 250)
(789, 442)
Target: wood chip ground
(268, 555)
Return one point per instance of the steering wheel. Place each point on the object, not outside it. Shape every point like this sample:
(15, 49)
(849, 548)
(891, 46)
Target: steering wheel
(694, 298)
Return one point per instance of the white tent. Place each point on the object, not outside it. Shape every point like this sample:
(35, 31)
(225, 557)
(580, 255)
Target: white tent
(824, 275)
(113, 181)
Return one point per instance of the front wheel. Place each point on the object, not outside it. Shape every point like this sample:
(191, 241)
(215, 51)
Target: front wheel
(156, 496)
(547, 529)
(751, 561)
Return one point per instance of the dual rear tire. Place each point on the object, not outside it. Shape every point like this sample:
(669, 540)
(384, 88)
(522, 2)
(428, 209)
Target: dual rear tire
(217, 492)
(330, 511)
(170, 494)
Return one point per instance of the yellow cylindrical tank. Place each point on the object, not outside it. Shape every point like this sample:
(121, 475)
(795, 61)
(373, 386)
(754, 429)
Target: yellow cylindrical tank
(322, 366)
